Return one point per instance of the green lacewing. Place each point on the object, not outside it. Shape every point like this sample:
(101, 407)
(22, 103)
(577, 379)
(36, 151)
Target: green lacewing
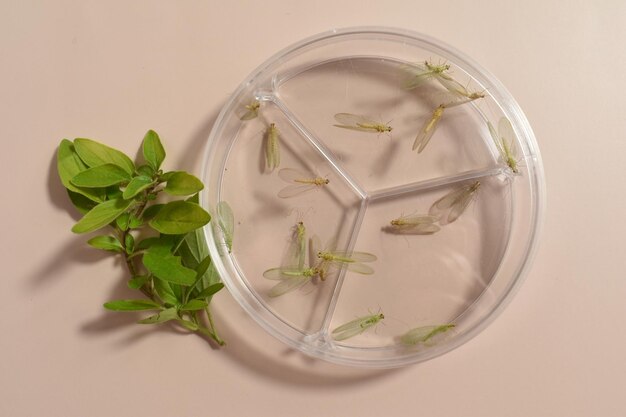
(421, 224)
(330, 257)
(356, 326)
(361, 123)
(252, 110)
(505, 142)
(272, 147)
(424, 334)
(300, 182)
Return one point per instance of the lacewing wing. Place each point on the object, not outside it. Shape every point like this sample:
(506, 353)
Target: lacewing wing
(449, 207)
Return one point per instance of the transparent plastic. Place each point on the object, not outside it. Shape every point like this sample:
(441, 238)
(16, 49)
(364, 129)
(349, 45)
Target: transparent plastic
(463, 274)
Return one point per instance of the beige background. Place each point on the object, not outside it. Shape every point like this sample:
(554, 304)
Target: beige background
(111, 70)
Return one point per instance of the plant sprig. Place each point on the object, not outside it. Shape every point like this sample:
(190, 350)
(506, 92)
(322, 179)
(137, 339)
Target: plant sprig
(162, 244)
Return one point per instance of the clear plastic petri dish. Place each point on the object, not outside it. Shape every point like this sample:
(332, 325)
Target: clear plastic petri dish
(386, 192)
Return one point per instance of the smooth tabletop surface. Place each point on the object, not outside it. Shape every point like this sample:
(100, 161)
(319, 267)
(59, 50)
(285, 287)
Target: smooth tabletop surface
(112, 70)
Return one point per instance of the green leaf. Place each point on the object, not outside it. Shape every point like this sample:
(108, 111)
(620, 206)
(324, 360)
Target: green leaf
(101, 215)
(152, 211)
(146, 243)
(105, 242)
(188, 254)
(210, 290)
(200, 271)
(113, 192)
(134, 221)
(166, 176)
(194, 249)
(153, 151)
(137, 282)
(122, 221)
(182, 183)
(179, 217)
(137, 185)
(194, 305)
(129, 242)
(146, 170)
(166, 244)
(100, 176)
(212, 277)
(165, 292)
(202, 267)
(69, 165)
(95, 154)
(162, 317)
(162, 244)
(168, 268)
(131, 305)
(82, 203)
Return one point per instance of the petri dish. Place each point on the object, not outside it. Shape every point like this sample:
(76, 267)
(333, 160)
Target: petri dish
(467, 205)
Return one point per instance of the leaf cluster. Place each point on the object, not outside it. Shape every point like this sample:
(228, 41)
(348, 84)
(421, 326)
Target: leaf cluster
(161, 243)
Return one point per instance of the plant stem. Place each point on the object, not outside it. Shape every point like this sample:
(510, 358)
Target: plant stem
(213, 333)
(130, 265)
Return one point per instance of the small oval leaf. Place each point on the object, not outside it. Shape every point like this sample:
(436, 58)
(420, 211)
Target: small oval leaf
(101, 215)
(69, 165)
(100, 176)
(179, 217)
(134, 222)
(165, 292)
(122, 221)
(82, 203)
(129, 242)
(94, 154)
(109, 243)
(168, 268)
(167, 175)
(182, 183)
(146, 170)
(153, 151)
(136, 185)
(152, 211)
